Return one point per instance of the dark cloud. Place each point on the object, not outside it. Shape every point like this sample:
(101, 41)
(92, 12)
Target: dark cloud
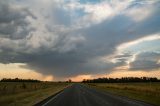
(144, 65)
(124, 55)
(146, 61)
(62, 48)
(13, 23)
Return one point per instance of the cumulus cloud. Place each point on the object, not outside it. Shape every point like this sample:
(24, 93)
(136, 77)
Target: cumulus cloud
(13, 23)
(66, 38)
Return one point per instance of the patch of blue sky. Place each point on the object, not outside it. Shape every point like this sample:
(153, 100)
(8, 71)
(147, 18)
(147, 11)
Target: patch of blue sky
(90, 1)
(79, 13)
(146, 46)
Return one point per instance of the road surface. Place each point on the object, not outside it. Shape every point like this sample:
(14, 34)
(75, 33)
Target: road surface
(80, 95)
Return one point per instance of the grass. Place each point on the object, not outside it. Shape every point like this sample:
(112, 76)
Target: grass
(147, 92)
(27, 94)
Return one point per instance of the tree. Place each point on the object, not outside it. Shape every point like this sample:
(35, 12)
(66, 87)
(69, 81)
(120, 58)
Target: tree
(70, 80)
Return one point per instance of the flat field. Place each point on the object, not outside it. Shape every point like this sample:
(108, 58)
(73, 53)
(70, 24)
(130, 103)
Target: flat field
(147, 92)
(27, 94)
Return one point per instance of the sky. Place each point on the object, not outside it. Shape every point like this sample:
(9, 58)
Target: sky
(79, 39)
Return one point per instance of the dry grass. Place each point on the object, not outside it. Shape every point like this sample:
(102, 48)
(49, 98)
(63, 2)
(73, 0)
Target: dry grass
(147, 92)
(27, 94)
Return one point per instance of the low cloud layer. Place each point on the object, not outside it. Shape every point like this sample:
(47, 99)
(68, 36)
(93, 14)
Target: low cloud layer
(70, 38)
(147, 61)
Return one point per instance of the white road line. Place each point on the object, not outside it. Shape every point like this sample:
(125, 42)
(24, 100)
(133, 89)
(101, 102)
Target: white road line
(52, 99)
(55, 96)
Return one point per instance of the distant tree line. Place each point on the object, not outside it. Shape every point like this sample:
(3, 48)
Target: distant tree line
(122, 80)
(18, 80)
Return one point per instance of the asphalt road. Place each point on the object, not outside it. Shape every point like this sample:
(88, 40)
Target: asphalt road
(80, 95)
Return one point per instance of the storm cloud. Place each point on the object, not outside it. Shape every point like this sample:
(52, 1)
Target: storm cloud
(66, 38)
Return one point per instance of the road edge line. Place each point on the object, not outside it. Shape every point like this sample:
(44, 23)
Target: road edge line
(50, 98)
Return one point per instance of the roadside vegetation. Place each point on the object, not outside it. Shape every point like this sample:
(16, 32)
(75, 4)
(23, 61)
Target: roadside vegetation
(122, 80)
(27, 92)
(148, 92)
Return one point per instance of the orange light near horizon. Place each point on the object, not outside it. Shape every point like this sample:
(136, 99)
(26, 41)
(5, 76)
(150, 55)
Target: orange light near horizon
(80, 78)
(119, 74)
(14, 70)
